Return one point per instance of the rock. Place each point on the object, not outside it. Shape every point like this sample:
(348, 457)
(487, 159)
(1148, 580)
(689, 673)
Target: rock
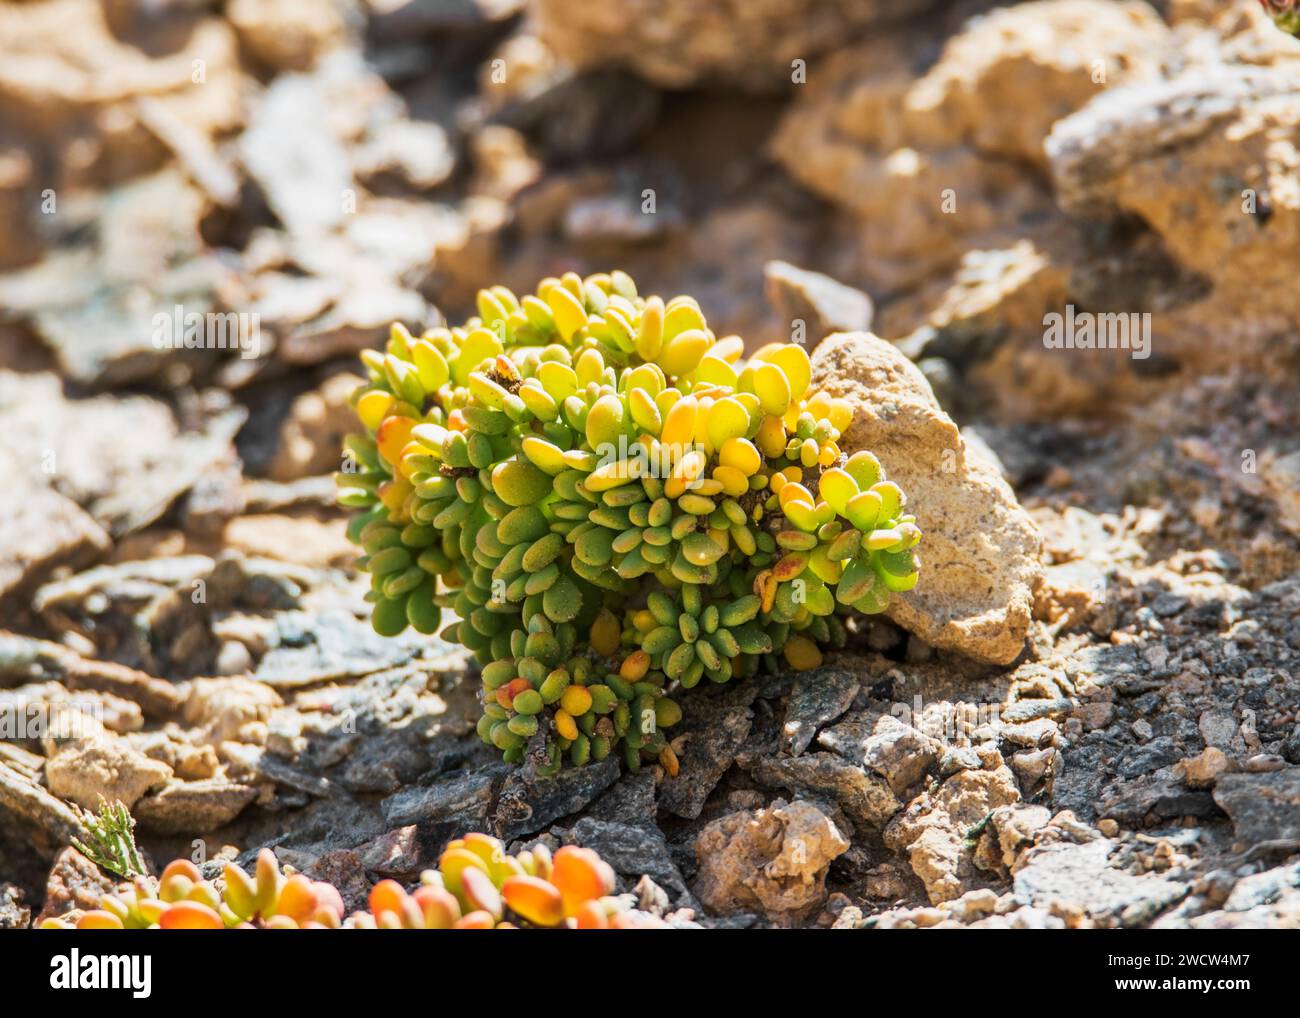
(253, 763)
(774, 860)
(74, 883)
(1060, 52)
(675, 44)
(344, 870)
(1291, 746)
(311, 437)
(14, 915)
(1082, 877)
(865, 798)
(527, 804)
(83, 770)
(615, 219)
(1203, 771)
(463, 798)
(39, 660)
(291, 538)
(934, 829)
(311, 648)
(1158, 753)
(403, 853)
(358, 320)
(596, 114)
(980, 550)
(1150, 151)
(1263, 807)
(1262, 888)
(43, 822)
(408, 19)
(1013, 829)
(1217, 729)
(1035, 709)
(817, 303)
(900, 753)
(72, 444)
(41, 529)
(1282, 914)
(935, 853)
(715, 729)
(931, 155)
(97, 306)
(218, 709)
(630, 800)
(193, 807)
(1033, 767)
(1282, 476)
(297, 161)
(1149, 798)
(287, 35)
(818, 697)
(417, 153)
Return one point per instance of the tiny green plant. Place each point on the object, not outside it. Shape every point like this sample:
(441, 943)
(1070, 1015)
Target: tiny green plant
(617, 505)
(112, 844)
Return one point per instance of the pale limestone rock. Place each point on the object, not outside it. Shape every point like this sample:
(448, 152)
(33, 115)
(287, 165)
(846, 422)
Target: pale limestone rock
(772, 860)
(981, 551)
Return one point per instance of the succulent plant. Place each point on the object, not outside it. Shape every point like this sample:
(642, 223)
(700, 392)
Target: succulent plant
(111, 834)
(616, 506)
(1285, 14)
(476, 886)
(180, 899)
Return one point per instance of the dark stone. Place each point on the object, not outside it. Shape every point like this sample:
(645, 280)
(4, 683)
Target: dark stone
(819, 697)
(584, 115)
(465, 797)
(1168, 604)
(527, 804)
(1159, 752)
(1154, 799)
(716, 728)
(1263, 807)
(1291, 746)
(630, 800)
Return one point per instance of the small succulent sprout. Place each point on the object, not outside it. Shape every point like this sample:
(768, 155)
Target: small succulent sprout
(608, 504)
(111, 839)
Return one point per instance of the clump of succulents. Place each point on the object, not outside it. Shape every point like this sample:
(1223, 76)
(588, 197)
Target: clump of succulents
(617, 506)
(181, 899)
(476, 886)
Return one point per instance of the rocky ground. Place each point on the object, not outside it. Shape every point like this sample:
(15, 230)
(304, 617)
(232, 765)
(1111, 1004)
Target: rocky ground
(1087, 712)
